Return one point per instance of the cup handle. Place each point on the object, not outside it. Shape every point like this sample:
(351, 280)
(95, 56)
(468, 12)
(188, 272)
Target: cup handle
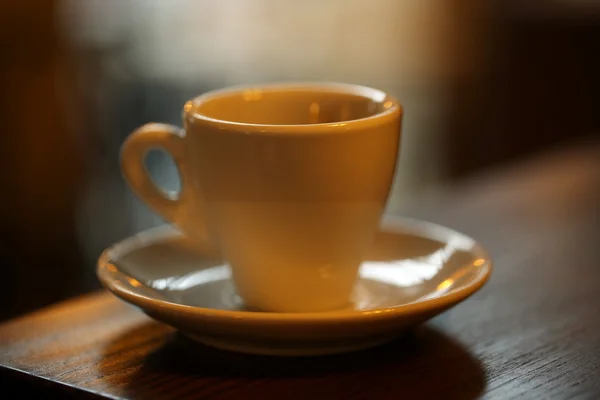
(175, 208)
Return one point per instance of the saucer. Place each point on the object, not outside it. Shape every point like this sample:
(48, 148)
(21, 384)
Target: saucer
(414, 271)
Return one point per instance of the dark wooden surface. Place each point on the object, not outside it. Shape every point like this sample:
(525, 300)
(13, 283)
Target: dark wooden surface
(533, 331)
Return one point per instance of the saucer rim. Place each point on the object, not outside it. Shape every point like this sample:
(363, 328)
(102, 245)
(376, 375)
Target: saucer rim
(389, 223)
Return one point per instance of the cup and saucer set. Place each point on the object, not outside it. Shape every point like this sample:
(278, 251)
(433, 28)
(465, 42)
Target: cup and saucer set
(277, 243)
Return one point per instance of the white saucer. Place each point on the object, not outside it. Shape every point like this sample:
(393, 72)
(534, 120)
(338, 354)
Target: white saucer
(414, 271)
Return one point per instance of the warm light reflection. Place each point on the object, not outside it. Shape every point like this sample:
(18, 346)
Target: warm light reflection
(252, 94)
(111, 268)
(201, 277)
(387, 104)
(399, 273)
(134, 282)
(445, 284)
(314, 110)
(459, 242)
(449, 283)
(407, 272)
(162, 283)
(411, 272)
(187, 106)
(334, 125)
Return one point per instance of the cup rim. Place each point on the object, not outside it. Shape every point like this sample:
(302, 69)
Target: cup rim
(392, 111)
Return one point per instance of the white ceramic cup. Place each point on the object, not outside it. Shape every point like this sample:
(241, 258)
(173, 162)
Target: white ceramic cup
(288, 181)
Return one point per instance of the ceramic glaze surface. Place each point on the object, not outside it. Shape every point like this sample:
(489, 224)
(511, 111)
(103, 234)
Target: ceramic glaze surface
(289, 181)
(414, 270)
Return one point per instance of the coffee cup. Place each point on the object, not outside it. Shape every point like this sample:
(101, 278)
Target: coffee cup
(289, 181)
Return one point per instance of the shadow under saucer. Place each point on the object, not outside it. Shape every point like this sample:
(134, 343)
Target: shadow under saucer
(153, 361)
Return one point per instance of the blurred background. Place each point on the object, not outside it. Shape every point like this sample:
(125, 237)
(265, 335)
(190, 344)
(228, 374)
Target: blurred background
(484, 83)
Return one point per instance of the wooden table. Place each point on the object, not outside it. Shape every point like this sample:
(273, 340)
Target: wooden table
(533, 331)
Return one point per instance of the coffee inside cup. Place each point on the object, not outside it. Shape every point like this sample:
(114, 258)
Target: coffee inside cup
(295, 106)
